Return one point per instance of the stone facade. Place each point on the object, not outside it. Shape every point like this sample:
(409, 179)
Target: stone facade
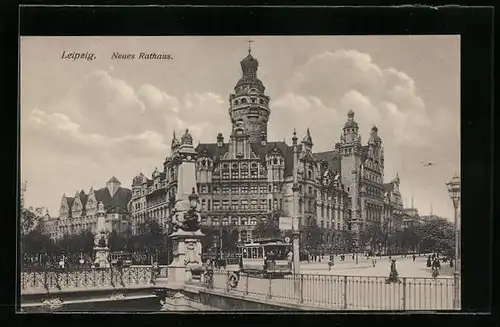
(243, 180)
(79, 213)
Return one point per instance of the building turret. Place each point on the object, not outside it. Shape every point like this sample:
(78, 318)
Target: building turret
(307, 141)
(220, 140)
(249, 103)
(350, 150)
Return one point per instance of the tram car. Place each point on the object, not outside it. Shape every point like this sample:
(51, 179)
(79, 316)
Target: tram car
(266, 258)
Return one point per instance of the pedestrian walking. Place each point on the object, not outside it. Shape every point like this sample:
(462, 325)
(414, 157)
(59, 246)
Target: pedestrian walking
(393, 275)
(374, 261)
(413, 257)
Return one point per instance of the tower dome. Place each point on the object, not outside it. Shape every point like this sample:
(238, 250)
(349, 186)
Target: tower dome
(187, 138)
(249, 62)
(350, 123)
(249, 103)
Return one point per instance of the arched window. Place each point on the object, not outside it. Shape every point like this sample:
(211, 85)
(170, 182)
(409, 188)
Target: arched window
(244, 221)
(236, 102)
(253, 221)
(275, 161)
(261, 101)
(243, 100)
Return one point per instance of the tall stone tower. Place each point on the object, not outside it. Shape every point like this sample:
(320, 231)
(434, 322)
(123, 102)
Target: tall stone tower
(350, 150)
(249, 103)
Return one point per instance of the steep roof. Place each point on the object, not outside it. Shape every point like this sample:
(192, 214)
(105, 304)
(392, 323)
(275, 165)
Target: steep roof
(364, 152)
(70, 200)
(114, 180)
(389, 186)
(211, 150)
(333, 159)
(118, 203)
(83, 198)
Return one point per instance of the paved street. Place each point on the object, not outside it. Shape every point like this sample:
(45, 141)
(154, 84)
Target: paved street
(405, 266)
(329, 289)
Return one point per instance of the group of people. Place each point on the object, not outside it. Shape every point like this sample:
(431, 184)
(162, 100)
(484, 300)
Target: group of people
(57, 261)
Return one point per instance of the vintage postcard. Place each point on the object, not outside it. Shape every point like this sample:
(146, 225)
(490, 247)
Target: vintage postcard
(240, 173)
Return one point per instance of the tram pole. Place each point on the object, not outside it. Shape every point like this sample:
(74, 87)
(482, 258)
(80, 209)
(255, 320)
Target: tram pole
(295, 220)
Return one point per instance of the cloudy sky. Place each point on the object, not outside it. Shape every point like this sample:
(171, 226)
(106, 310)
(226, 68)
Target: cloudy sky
(84, 121)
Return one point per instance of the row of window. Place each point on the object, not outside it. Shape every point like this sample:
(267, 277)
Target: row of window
(329, 225)
(244, 174)
(336, 213)
(253, 189)
(253, 204)
(245, 100)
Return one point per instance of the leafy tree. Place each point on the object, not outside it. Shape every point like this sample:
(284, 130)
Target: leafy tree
(36, 241)
(436, 235)
(268, 228)
(313, 235)
(30, 218)
(150, 239)
(229, 239)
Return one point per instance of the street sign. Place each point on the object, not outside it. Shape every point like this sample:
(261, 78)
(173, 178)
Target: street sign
(285, 223)
(287, 239)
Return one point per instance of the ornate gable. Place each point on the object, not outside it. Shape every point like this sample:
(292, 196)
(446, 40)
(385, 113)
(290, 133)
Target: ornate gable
(64, 208)
(77, 205)
(91, 204)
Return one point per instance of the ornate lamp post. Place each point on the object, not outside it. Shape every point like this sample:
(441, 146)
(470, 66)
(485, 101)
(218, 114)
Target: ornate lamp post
(454, 191)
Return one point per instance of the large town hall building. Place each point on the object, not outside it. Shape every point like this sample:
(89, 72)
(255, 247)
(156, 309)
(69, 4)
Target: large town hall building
(244, 177)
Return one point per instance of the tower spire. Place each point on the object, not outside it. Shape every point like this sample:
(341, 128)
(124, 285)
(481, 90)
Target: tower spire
(250, 45)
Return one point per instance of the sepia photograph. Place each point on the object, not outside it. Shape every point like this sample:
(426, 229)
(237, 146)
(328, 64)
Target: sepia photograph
(239, 173)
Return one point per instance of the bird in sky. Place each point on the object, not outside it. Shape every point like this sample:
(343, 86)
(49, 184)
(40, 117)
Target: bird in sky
(428, 164)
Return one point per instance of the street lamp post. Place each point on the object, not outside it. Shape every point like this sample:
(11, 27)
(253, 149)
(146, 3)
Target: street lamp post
(454, 191)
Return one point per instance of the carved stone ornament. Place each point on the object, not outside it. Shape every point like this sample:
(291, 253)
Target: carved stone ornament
(52, 303)
(164, 305)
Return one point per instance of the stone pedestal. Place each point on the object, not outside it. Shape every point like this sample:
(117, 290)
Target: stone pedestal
(187, 255)
(101, 257)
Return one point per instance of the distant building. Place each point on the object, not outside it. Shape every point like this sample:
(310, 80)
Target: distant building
(79, 213)
(149, 200)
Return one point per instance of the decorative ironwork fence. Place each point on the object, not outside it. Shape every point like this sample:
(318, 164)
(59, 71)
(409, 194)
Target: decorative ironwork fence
(343, 292)
(88, 277)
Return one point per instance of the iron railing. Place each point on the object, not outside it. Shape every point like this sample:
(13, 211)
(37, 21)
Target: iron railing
(87, 277)
(343, 292)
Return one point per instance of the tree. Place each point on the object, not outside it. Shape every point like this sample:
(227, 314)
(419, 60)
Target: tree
(313, 235)
(436, 235)
(268, 228)
(151, 238)
(30, 218)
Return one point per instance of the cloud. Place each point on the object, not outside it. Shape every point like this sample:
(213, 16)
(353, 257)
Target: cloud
(105, 120)
(349, 79)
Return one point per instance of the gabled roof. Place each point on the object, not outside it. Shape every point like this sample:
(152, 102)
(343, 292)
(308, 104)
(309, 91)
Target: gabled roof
(117, 203)
(211, 150)
(114, 180)
(83, 198)
(389, 186)
(333, 159)
(70, 200)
